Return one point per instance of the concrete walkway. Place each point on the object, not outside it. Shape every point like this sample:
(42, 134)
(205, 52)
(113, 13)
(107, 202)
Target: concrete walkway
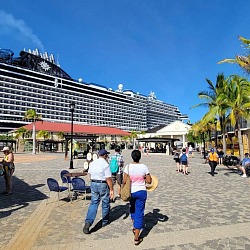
(197, 211)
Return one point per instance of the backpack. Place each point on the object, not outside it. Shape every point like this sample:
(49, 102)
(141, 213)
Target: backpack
(176, 156)
(114, 166)
(183, 157)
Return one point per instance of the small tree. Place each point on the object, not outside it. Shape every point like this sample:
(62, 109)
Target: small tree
(31, 115)
(43, 133)
(60, 135)
(21, 132)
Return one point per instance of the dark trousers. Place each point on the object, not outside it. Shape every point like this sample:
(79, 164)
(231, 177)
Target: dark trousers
(213, 165)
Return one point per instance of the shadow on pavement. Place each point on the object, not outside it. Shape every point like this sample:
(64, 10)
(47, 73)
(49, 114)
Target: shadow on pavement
(115, 213)
(22, 194)
(151, 219)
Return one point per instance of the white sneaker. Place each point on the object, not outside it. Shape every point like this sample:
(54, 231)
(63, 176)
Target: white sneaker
(244, 175)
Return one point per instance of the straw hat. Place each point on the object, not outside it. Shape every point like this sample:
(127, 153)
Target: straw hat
(153, 185)
(6, 149)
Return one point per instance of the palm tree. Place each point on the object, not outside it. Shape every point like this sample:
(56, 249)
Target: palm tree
(31, 114)
(242, 61)
(21, 132)
(133, 136)
(215, 102)
(238, 101)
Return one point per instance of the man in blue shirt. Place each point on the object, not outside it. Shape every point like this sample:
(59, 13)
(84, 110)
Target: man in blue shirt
(244, 164)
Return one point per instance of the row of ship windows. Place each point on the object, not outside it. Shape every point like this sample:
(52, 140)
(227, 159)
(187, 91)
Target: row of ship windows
(87, 103)
(86, 121)
(29, 87)
(7, 115)
(59, 102)
(85, 115)
(44, 89)
(86, 110)
(162, 110)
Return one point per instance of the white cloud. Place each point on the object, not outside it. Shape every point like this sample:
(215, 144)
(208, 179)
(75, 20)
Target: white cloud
(9, 23)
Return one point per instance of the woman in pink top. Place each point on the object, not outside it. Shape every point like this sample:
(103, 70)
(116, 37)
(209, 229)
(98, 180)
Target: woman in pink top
(139, 176)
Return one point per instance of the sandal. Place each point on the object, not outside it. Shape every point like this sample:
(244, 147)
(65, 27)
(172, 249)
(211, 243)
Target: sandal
(138, 241)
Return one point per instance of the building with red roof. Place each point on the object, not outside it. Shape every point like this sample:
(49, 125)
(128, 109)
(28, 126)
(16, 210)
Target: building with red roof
(56, 127)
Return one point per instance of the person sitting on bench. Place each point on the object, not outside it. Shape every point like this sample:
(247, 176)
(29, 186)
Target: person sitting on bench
(245, 163)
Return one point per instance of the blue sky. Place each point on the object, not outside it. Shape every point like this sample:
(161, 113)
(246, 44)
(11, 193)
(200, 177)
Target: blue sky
(166, 46)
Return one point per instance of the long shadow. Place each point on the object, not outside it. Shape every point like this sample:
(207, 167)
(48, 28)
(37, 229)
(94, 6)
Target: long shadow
(115, 213)
(23, 193)
(151, 219)
(230, 170)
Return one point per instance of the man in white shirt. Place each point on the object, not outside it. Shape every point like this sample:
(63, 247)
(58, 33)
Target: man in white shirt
(101, 190)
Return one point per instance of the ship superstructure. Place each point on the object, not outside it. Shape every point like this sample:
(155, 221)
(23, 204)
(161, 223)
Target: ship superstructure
(35, 81)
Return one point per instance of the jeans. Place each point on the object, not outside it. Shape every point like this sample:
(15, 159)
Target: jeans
(137, 207)
(99, 192)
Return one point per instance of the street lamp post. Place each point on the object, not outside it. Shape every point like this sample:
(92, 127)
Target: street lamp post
(72, 108)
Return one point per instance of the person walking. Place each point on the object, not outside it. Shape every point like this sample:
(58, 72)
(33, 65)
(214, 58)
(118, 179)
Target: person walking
(139, 176)
(221, 155)
(177, 160)
(190, 151)
(116, 167)
(184, 161)
(213, 160)
(8, 169)
(101, 190)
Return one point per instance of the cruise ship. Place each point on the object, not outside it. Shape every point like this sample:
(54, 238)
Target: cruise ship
(35, 81)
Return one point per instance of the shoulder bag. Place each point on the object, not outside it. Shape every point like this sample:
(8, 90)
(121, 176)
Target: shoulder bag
(126, 189)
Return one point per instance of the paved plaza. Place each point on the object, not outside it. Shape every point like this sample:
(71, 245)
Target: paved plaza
(197, 211)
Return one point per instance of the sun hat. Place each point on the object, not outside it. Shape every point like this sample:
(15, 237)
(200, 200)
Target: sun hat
(6, 149)
(103, 152)
(153, 185)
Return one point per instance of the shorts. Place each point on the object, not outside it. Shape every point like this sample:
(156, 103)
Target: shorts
(184, 163)
(177, 160)
(246, 165)
(117, 177)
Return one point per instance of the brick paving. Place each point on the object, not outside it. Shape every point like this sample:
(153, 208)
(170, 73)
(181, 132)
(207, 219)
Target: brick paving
(197, 211)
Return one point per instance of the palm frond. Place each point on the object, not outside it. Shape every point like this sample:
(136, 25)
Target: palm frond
(227, 61)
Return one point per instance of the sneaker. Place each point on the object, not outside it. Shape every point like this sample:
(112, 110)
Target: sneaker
(86, 228)
(244, 175)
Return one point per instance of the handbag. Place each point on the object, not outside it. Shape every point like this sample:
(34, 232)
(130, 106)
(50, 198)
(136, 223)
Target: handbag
(126, 189)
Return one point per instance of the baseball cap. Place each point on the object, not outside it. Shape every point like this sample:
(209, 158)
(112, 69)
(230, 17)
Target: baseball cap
(103, 152)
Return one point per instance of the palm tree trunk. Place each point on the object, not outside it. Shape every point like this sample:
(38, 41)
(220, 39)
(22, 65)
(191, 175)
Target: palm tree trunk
(224, 143)
(34, 138)
(240, 142)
